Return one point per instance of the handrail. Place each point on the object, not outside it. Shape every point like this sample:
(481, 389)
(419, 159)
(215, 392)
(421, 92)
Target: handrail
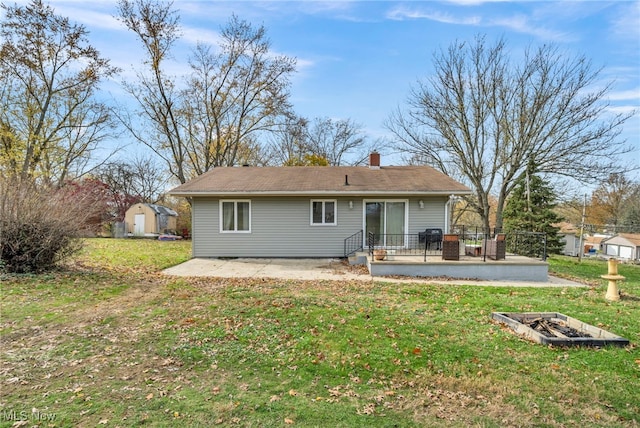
(353, 243)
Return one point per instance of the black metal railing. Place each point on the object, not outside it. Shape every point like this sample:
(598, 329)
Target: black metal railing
(353, 243)
(472, 241)
(403, 244)
(520, 243)
(528, 244)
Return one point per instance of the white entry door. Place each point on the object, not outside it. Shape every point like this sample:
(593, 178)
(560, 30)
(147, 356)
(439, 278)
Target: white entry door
(138, 225)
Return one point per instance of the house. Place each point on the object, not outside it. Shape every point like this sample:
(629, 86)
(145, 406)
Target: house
(570, 237)
(309, 211)
(149, 220)
(593, 243)
(623, 245)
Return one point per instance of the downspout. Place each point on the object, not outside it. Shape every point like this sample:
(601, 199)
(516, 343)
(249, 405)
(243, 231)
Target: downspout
(448, 212)
(446, 215)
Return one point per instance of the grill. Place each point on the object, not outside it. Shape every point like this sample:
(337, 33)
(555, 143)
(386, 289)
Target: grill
(430, 237)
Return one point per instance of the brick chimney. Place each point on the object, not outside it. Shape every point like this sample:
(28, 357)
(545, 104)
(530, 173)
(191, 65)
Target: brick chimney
(374, 160)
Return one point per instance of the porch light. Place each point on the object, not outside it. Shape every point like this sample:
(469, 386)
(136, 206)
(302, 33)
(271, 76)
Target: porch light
(421, 204)
(350, 205)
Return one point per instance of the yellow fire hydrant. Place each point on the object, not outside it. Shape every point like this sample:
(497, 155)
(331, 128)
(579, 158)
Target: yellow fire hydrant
(613, 278)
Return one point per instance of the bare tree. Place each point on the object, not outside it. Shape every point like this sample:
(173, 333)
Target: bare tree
(157, 26)
(485, 120)
(334, 140)
(50, 120)
(233, 94)
(140, 178)
(288, 145)
(321, 141)
(611, 200)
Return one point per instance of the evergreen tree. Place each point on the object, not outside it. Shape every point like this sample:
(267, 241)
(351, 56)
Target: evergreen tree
(530, 209)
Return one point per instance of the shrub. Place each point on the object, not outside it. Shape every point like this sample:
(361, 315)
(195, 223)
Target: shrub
(39, 226)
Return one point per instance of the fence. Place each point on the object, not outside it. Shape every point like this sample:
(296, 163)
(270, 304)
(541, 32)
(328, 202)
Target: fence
(472, 240)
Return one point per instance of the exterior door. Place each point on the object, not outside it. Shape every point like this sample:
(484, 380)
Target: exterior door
(387, 221)
(138, 225)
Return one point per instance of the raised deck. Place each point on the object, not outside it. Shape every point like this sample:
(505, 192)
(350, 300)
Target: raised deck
(514, 268)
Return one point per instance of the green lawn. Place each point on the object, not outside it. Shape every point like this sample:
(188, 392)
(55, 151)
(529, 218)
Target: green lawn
(111, 342)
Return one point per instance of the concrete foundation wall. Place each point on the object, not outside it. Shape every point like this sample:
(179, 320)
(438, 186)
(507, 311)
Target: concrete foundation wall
(497, 271)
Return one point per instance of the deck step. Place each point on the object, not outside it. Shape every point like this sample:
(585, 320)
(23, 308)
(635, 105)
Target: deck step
(358, 259)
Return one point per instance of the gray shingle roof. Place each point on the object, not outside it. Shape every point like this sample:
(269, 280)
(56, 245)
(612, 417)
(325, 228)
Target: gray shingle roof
(318, 180)
(159, 209)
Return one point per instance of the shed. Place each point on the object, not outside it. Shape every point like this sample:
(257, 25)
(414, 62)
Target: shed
(150, 220)
(623, 245)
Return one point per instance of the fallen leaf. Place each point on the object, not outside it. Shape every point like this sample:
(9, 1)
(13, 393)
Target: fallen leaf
(288, 421)
(150, 396)
(103, 422)
(293, 392)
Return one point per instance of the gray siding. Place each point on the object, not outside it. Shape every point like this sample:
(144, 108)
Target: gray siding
(429, 217)
(280, 227)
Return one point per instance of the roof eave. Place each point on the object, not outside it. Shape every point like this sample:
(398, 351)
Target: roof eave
(322, 193)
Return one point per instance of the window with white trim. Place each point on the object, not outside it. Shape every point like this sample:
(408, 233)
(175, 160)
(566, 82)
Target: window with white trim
(235, 216)
(323, 212)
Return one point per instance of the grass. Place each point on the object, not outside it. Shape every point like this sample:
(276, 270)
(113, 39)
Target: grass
(111, 342)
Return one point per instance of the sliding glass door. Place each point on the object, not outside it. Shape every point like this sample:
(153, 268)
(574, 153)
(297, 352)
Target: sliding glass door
(387, 221)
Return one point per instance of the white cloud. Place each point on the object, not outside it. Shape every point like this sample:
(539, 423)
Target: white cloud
(519, 23)
(627, 95)
(193, 35)
(626, 24)
(401, 13)
(523, 24)
(90, 17)
(473, 2)
(623, 110)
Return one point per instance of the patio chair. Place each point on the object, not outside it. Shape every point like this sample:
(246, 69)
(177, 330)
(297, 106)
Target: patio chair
(496, 248)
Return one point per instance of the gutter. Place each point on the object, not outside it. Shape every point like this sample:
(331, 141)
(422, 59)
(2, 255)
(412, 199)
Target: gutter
(386, 193)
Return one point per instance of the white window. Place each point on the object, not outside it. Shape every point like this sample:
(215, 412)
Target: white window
(323, 212)
(235, 216)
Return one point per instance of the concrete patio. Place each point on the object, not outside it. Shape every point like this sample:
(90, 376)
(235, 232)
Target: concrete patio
(332, 270)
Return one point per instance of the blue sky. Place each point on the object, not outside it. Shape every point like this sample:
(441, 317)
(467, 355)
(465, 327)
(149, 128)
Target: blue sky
(359, 59)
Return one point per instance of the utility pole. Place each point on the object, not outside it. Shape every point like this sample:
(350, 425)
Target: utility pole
(584, 211)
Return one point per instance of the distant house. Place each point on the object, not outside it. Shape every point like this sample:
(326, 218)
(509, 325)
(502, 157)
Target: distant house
(150, 220)
(310, 211)
(623, 245)
(570, 237)
(593, 243)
